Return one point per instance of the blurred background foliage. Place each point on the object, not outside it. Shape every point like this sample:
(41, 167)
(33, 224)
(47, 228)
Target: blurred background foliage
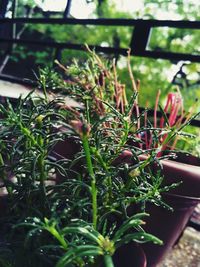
(154, 74)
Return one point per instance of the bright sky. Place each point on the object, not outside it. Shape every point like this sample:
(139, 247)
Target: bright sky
(80, 9)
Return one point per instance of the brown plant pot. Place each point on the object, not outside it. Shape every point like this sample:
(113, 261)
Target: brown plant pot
(130, 255)
(189, 174)
(66, 149)
(167, 225)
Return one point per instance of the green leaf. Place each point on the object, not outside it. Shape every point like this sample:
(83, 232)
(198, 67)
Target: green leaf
(164, 115)
(132, 222)
(81, 251)
(89, 233)
(140, 237)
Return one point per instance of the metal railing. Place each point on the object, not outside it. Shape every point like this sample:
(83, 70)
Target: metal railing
(138, 42)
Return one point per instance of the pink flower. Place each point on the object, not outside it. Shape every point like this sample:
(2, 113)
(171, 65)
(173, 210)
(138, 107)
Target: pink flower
(173, 106)
(174, 113)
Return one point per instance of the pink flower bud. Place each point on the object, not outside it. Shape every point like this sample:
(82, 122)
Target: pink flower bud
(81, 127)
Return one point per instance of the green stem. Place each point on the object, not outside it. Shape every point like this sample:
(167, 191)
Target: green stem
(93, 179)
(106, 168)
(43, 81)
(42, 172)
(29, 136)
(59, 237)
(108, 261)
(87, 110)
(122, 142)
(41, 160)
(41, 166)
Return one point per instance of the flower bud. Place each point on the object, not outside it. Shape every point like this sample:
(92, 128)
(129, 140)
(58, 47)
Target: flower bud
(134, 173)
(81, 127)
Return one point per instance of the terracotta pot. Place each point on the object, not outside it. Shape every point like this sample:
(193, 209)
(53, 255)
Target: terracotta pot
(130, 255)
(66, 149)
(167, 225)
(189, 175)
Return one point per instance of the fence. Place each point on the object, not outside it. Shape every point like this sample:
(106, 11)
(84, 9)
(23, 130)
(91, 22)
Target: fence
(138, 42)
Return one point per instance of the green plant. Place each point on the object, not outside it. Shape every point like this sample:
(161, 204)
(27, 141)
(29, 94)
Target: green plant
(80, 209)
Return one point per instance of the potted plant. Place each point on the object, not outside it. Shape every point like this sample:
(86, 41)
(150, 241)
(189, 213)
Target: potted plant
(83, 217)
(179, 167)
(78, 180)
(158, 139)
(74, 221)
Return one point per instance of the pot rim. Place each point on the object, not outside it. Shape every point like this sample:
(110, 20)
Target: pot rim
(181, 196)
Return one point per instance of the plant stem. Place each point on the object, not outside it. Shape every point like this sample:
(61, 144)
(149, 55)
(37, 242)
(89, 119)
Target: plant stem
(106, 169)
(108, 261)
(43, 81)
(58, 236)
(87, 110)
(42, 175)
(93, 179)
(122, 142)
